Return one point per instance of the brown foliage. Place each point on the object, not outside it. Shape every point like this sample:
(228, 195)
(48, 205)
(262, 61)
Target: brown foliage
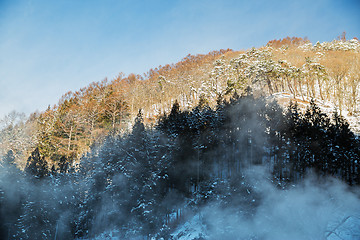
(87, 115)
(186, 64)
(288, 41)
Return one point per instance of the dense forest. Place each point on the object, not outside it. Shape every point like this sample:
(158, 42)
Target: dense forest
(148, 181)
(214, 139)
(327, 72)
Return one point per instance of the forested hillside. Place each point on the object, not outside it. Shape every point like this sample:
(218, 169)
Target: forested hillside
(138, 156)
(148, 181)
(327, 72)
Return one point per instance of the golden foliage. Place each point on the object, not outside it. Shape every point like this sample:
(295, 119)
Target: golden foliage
(86, 116)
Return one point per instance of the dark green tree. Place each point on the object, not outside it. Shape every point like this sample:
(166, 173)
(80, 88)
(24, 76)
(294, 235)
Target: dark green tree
(36, 165)
(11, 195)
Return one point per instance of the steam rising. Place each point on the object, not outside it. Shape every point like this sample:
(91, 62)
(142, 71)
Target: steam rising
(327, 210)
(204, 174)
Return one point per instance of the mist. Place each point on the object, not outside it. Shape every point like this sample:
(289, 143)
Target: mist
(243, 170)
(313, 209)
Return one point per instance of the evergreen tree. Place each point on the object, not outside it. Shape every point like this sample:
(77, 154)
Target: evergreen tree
(11, 194)
(345, 149)
(36, 165)
(138, 128)
(36, 221)
(293, 136)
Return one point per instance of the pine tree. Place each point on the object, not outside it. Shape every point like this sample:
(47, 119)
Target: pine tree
(36, 165)
(10, 195)
(138, 128)
(293, 136)
(172, 124)
(38, 211)
(315, 127)
(344, 148)
(37, 221)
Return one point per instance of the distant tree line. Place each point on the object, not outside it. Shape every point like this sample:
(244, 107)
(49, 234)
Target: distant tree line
(146, 182)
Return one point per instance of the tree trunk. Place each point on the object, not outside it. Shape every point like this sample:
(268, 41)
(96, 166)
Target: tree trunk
(69, 142)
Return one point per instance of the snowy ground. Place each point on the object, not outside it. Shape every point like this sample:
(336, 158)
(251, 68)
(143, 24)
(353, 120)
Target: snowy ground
(346, 229)
(192, 229)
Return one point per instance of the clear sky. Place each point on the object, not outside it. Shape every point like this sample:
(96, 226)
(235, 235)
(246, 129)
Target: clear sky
(50, 47)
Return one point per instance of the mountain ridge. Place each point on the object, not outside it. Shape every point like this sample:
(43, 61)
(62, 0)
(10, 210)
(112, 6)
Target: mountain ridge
(326, 71)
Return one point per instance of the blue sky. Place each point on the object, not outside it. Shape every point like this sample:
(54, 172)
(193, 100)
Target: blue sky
(50, 47)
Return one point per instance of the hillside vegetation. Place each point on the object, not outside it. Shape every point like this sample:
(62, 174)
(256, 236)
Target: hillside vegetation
(230, 159)
(328, 72)
(207, 148)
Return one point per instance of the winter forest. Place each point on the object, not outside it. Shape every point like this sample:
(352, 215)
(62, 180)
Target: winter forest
(146, 183)
(206, 148)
